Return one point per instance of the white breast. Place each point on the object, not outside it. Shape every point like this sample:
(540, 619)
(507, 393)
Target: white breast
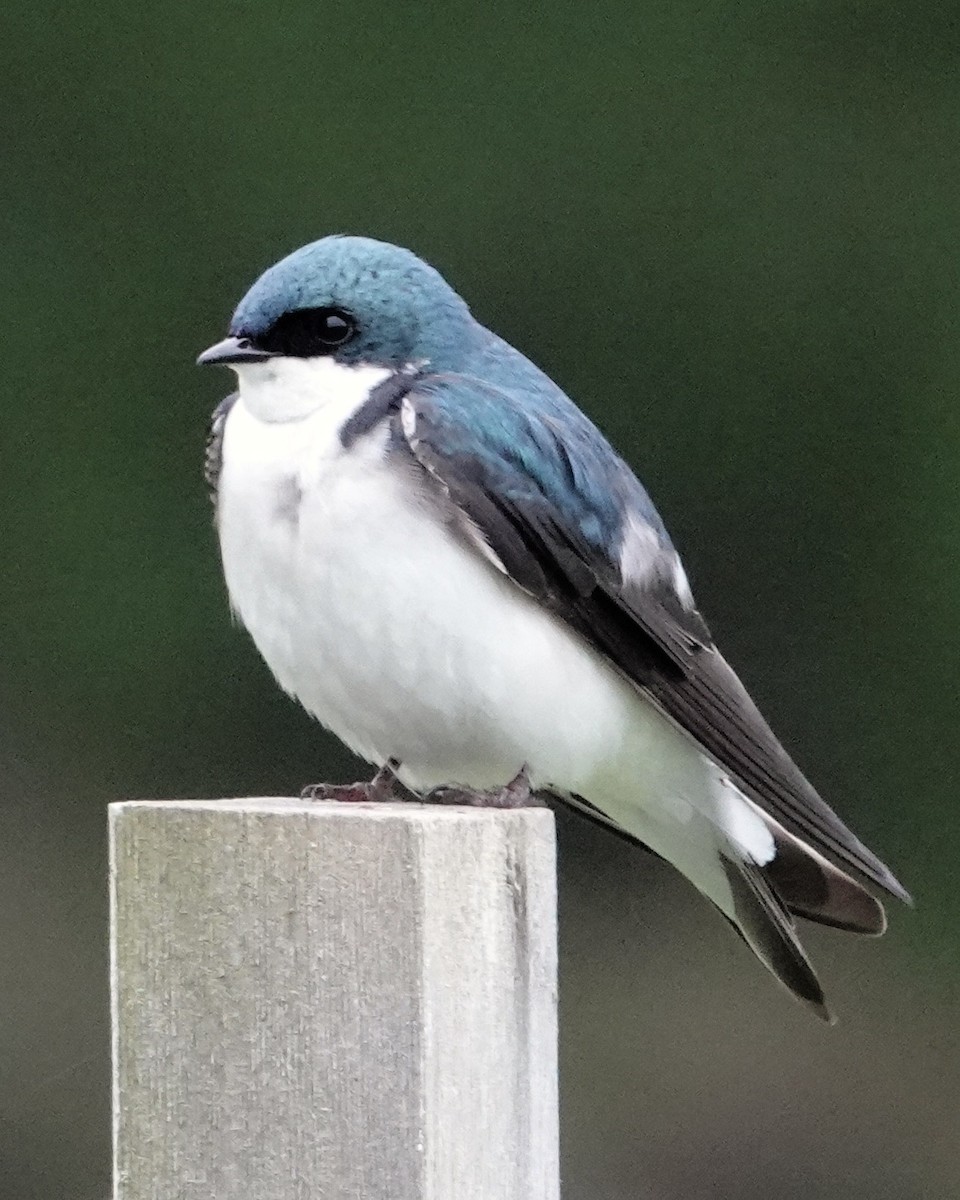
(402, 638)
(372, 611)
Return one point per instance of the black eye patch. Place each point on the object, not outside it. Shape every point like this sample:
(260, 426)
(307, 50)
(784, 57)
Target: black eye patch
(308, 332)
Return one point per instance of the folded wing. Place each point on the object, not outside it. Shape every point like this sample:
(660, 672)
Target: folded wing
(541, 492)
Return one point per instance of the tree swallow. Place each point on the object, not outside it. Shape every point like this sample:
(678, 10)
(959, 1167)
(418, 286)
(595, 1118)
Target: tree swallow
(447, 564)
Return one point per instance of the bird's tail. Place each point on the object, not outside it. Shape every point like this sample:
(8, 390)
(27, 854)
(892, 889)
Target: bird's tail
(764, 921)
(760, 899)
(814, 888)
(797, 881)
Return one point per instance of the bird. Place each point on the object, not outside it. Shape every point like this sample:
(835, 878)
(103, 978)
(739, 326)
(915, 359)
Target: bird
(443, 559)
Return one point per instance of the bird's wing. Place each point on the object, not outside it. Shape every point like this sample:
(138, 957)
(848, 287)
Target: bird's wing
(543, 495)
(213, 453)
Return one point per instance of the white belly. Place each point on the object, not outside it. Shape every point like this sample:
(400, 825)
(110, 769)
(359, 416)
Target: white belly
(392, 632)
(408, 644)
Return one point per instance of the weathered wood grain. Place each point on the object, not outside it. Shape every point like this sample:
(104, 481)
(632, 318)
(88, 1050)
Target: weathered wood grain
(333, 1002)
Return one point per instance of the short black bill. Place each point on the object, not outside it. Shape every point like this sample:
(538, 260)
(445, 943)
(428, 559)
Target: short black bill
(232, 350)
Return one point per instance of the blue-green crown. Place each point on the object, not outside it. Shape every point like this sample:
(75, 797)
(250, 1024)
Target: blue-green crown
(405, 310)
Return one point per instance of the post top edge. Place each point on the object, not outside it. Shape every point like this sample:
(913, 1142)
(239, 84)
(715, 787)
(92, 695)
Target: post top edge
(330, 809)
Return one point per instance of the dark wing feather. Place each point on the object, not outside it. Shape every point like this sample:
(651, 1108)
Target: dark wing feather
(524, 489)
(213, 453)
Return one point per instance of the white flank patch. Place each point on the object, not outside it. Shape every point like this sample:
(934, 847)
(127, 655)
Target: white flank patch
(744, 825)
(681, 584)
(641, 555)
(643, 559)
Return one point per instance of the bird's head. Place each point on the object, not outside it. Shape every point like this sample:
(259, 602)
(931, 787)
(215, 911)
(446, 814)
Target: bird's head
(357, 301)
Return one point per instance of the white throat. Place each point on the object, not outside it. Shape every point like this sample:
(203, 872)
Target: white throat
(290, 389)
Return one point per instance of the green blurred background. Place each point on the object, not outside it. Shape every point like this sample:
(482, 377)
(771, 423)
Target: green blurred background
(732, 232)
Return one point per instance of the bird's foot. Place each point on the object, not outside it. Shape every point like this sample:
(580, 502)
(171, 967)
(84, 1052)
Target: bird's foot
(516, 794)
(379, 789)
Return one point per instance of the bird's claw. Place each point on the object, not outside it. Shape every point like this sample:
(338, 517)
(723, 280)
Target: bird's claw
(516, 794)
(345, 793)
(378, 790)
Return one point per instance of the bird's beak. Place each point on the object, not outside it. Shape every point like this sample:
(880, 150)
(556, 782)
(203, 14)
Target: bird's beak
(232, 350)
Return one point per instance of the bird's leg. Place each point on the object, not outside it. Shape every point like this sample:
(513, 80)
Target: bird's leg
(379, 789)
(516, 794)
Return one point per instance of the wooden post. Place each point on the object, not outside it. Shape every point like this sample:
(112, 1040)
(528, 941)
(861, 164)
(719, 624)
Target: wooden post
(322, 1001)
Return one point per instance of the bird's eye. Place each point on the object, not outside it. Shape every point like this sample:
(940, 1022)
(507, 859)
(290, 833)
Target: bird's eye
(333, 327)
(308, 332)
